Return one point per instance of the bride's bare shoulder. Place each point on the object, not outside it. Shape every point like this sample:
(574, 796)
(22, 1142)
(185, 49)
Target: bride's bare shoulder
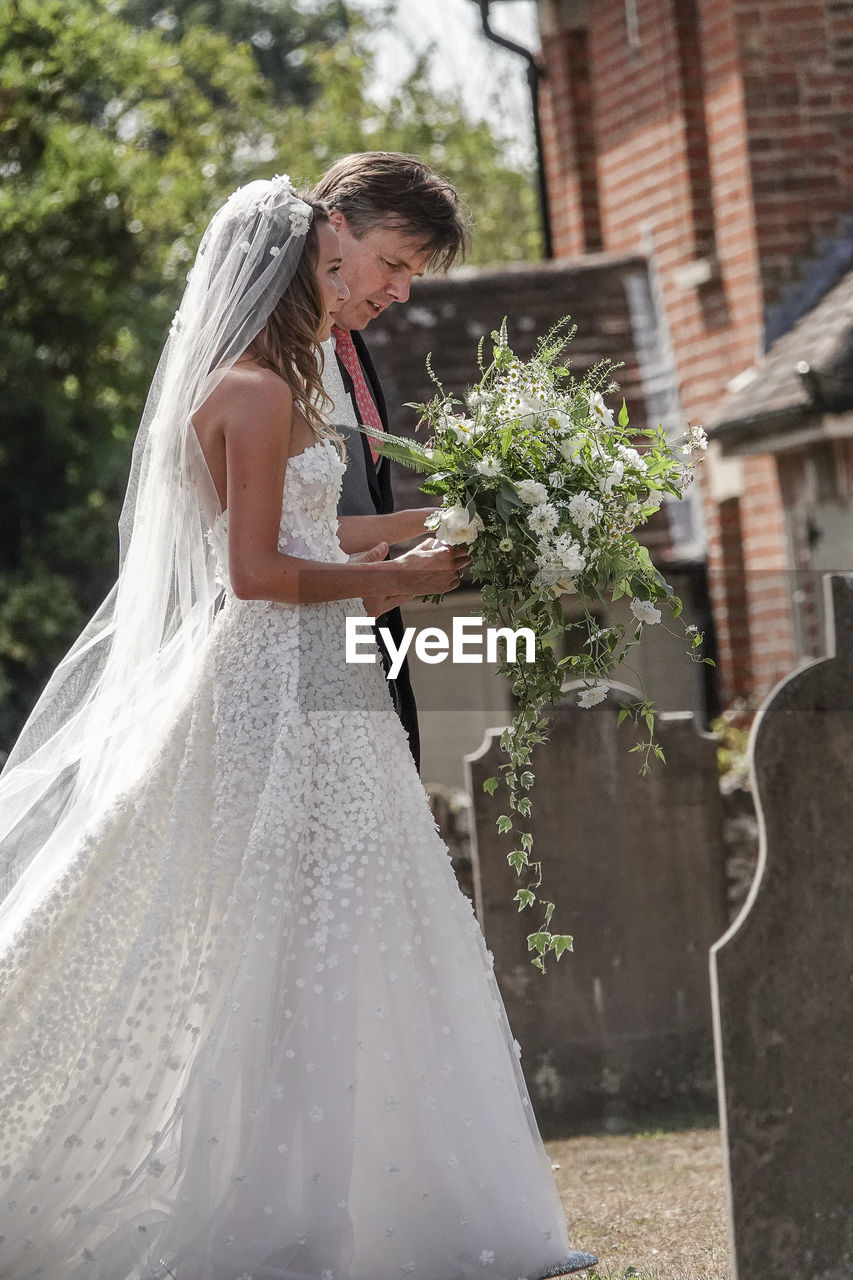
(248, 393)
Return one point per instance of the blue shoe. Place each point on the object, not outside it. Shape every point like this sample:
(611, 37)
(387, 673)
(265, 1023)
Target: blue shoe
(574, 1262)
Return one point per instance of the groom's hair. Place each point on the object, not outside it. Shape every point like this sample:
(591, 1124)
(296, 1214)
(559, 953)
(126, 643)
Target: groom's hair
(387, 189)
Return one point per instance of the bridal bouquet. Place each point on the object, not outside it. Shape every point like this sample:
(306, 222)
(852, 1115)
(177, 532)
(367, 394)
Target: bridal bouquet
(547, 486)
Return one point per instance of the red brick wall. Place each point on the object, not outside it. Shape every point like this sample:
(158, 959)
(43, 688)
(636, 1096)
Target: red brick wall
(559, 135)
(797, 67)
(670, 131)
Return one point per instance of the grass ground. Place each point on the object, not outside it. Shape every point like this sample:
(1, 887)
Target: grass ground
(651, 1206)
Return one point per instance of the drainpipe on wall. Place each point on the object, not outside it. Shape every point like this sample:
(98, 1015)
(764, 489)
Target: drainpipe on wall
(534, 74)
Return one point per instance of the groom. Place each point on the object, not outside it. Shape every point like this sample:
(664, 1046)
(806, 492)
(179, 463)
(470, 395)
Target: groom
(396, 219)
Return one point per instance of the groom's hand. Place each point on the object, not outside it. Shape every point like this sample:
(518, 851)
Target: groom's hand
(430, 568)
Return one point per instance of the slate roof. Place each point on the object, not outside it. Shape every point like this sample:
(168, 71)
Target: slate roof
(806, 373)
(446, 316)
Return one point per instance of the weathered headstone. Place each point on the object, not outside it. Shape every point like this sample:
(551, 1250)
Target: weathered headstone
(620, 1030)
(783, 983)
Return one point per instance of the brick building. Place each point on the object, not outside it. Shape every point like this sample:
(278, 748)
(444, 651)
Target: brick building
(715, 139)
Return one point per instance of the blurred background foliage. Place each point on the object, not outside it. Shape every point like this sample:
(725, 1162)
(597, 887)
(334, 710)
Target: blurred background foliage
(123, 125)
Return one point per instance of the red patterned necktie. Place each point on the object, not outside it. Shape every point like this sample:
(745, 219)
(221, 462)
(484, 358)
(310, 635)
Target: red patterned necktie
(367, 411)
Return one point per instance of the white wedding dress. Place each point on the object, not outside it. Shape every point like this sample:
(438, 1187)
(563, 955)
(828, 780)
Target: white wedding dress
(252, 1032)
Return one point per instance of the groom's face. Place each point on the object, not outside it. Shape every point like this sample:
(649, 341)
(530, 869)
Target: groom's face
(378, 268)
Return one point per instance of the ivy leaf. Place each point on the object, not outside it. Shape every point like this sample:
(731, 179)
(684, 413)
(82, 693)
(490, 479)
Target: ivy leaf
(504, 824)
(517, 860)
(490, 786)
(525, 898)
(538, 941)
(561, 942)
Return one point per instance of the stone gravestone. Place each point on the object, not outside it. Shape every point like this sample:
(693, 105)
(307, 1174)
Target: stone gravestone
(783, 983)
(620, 1030)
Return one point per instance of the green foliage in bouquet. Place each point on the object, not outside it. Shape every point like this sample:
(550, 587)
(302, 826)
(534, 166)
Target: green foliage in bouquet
(547, 488)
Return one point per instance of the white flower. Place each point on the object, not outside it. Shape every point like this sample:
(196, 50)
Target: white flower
(463, 429)
(487, 1257)
(488, 466)
(592, 695)
(245, 246)
(553, 579)
(532, 492)
(598, 410)
(531, 404)
(613, 477)
(453, 525)
(555, 479)
(274, 251)
(631, 458)
(300, 221)
(645, 611)
(569, 553)
(654, 499)
(697, 438)
(571, 448)
(558, 420)
(505, 545)
(584, 510)
(543, 519)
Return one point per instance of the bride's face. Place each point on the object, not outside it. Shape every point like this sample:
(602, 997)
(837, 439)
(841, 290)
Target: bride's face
(331, 283)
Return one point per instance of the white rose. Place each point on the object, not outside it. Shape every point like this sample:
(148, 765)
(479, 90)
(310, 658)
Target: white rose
(532, 492)
(645, 611)
(554, 579)
(453, 525)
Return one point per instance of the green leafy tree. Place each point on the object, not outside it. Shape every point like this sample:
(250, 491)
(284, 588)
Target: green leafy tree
(120, 133)
(113, 145)
(278, 33)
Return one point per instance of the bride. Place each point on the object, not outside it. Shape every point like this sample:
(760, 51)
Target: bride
(249, 1029)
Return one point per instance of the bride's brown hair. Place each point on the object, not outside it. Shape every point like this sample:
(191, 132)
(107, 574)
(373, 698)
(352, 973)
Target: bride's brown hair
(288, 341)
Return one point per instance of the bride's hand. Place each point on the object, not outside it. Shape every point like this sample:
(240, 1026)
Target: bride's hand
(374, 554)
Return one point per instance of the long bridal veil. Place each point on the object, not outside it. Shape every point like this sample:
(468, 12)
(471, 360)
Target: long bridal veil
(102, 712)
